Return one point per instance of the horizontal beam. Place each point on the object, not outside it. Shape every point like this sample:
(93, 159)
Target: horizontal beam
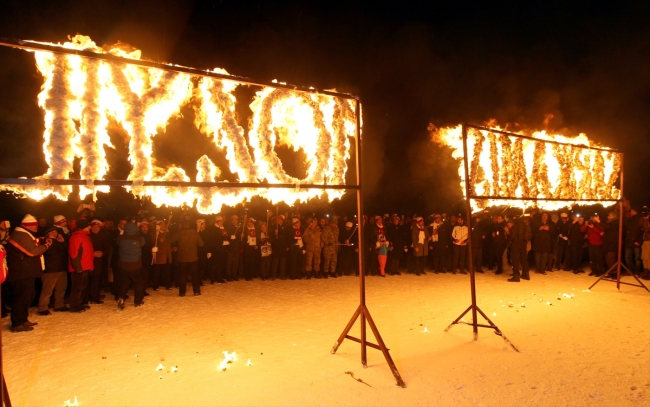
(194, 184)
(36, 46)
(517, 198)
(507, 133)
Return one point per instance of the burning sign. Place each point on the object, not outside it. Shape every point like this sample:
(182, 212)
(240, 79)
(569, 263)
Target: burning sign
(80, 95)
(554, 169)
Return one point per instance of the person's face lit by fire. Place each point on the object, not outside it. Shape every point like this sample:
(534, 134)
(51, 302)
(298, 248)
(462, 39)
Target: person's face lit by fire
(499, 218)
(395, 220)
(144, 227)
(121, 224)
(235, 220)
(95, 228)
(322, 222)
(545, 217)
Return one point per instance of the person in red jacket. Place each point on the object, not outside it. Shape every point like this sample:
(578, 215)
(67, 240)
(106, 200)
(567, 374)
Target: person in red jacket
(595, 232)
(80, 263)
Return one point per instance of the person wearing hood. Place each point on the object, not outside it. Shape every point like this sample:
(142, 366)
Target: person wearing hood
(420, 241)
(130, 264)
(81, 262)
(188, 240)
(25, 262)
(61, 223)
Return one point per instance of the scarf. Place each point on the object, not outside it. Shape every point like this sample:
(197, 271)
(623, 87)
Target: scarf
(435, 227)
(421, 236)
(252, 237)
(22, 249)
(297, 235)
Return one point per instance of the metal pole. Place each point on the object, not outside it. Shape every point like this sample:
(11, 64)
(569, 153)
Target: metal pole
(186, 184)
(620, 230)
(540, 140)
(470, 248)
(35, 46)
(362, 280)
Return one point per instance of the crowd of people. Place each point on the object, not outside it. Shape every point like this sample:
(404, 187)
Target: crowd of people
(65, 267)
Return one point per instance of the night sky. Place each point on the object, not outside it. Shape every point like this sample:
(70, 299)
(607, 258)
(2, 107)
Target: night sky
(585, 63)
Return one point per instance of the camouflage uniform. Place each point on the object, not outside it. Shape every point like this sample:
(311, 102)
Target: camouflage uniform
(311, 237)
(330, 237)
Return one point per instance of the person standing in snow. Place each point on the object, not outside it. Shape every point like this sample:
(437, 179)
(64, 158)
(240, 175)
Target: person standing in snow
(80, 263)
(130, 264)
(188, 240)
(25, 262)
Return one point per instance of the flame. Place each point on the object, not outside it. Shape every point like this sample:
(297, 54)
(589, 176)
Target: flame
(508, 166)
(227, 358)
(80, 95)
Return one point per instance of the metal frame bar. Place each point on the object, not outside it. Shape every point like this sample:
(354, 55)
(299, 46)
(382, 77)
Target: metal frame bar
(36, 46)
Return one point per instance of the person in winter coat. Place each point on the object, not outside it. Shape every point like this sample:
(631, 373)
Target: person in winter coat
(349, 241)
(280, 246)
(436, 249)
(265, 250)
(460, 236)
(188, 240)
(313, 245)
(130, 264)
(383, 247)
(562, 255)
(576, 242)
(645, 249)
(235, 241)
(633, 242)
(55, 275)
(520, 234)
(330, 238)
(81, 263)
(500, 241)
(610, 239)
(478, 241)
(218, 242)
(102, 246)
(162, 258)
(25, 263)
(395, 237)
(543, 232)
(420, 241)
(296, 253)
(251, 247)
(595, 234)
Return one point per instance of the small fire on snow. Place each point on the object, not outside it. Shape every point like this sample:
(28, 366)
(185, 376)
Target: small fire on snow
(227, 358)
(69, 403)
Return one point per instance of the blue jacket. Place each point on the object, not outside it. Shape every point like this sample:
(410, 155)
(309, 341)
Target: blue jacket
(130, 247)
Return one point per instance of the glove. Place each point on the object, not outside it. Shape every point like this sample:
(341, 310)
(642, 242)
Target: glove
(154, 250)
(209, 255)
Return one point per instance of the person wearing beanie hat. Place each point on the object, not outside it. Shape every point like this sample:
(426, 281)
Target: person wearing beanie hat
(80, 263)
(420, 241)
(61, 222)
(25, 262)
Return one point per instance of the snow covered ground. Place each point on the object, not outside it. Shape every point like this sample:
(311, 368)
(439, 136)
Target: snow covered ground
(592, 349)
